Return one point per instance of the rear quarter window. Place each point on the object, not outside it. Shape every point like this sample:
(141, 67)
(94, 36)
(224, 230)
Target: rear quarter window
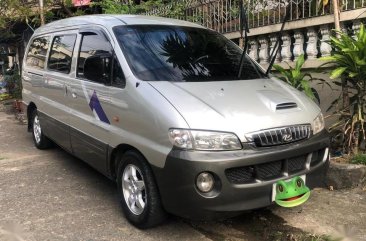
(36, 56)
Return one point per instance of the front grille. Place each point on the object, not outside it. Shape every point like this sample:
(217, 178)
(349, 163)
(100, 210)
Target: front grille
(240, 174)
(296, 164)
(280, 136)
(274, 169)
(269, 170)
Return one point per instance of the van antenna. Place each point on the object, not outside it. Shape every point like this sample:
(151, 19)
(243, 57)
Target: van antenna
(276, 46)
(243, 27)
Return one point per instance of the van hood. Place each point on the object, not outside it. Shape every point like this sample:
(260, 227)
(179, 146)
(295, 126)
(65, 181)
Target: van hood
(240, 107)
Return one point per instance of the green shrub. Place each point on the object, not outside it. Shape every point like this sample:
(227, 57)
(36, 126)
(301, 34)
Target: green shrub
(359, 159)
(14, 85)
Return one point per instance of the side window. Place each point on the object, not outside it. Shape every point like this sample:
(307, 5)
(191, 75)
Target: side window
(98, 52)
(61, 53)
(36, 56)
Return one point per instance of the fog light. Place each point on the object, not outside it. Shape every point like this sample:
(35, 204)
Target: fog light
(205, 182)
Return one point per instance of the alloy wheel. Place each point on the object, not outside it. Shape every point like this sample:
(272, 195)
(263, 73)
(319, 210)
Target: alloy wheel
(133, 189)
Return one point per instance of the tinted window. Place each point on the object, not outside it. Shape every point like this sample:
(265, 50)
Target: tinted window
(61, 53)
(174, 53)
(37, 52)
(95, 45)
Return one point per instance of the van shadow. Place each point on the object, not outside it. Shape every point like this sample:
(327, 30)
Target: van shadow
(252, 225)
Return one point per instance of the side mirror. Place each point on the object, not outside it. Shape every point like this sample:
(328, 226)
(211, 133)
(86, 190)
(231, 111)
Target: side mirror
(97, 68)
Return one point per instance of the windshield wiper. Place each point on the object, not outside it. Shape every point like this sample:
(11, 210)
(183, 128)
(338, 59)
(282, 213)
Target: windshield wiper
(243, 27)
(276, 46)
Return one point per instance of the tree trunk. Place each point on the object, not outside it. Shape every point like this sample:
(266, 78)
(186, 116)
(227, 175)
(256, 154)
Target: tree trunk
(345, 96)
(41, 11)
(241, 42)
(336, 17)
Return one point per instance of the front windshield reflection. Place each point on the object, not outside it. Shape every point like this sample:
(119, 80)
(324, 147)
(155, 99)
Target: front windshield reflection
(182, 54)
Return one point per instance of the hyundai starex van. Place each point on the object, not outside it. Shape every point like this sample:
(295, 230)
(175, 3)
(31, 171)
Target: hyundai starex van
(157, 105)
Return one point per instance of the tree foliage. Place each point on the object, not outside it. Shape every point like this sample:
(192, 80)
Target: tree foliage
(116, 6)
(21, 11)
(14, 11)
(11, 11)
(136, 7)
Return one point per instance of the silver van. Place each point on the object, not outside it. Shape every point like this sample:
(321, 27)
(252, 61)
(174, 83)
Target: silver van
(157, 105)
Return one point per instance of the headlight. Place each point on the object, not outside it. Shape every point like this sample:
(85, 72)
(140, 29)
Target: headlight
(318, 124)
(204, 140)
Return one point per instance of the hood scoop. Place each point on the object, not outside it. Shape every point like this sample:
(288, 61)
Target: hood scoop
(276, 101)
(286, 105)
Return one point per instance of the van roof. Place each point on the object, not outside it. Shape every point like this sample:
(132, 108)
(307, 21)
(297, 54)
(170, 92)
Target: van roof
(111, 20)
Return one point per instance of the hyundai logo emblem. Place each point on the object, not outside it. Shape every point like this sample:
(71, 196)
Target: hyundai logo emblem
(287, 137)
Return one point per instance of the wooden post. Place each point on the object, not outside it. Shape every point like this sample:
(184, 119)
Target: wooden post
(241, 42)
(336, 17)
(337, 26)
(41, 12)
(241, 26)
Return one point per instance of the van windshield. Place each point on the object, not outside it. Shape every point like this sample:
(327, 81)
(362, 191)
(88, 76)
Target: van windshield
(182, 54)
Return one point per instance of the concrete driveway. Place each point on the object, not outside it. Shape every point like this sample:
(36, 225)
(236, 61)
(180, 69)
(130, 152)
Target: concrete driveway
(50, 195)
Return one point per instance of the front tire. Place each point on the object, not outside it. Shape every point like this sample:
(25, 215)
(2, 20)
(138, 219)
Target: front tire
(39, 139)
(139, 195)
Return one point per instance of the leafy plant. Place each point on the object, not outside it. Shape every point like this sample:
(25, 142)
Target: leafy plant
(14, 85)
(349, 61)
(296, 78)
(359, 159)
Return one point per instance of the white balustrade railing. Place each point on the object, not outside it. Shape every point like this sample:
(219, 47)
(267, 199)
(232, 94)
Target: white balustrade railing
(313, 41)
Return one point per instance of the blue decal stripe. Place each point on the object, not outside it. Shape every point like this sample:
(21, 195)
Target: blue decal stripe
(95, 105)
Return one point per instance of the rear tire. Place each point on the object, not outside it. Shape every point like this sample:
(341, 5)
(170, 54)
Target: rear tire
(39, 139)
(139, 195)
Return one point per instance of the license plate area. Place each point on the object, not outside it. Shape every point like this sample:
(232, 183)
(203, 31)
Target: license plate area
(274, 186)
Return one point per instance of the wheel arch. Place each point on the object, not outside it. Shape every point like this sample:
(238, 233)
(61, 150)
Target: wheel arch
(120, 150)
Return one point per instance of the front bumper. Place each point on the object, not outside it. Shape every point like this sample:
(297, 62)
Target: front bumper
(235, 191)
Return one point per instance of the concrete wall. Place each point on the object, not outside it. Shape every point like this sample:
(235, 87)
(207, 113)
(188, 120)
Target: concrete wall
(327, 95)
